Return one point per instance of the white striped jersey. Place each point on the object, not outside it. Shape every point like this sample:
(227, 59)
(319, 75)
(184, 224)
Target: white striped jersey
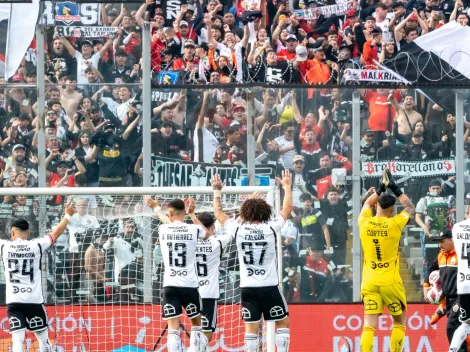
(178, 242)
(208, 257)
(256, 245)
(22, 262)
(461, 238)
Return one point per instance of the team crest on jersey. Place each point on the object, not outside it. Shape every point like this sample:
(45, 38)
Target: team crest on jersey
(455, 308)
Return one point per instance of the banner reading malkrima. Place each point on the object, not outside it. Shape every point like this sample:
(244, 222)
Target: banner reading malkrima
(370, 75)
(422, 168)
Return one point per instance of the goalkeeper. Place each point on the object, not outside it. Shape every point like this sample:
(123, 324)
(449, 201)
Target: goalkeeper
(381, 281)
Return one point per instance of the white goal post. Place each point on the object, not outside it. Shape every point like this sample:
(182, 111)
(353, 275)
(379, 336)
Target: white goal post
(117, 204)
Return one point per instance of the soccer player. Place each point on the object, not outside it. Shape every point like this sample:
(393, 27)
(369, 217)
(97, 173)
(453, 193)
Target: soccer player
(461, 236)
(256, 237)
(447, 264)
(381, 281)
(208, 255)
(22, 262)
(178, 242)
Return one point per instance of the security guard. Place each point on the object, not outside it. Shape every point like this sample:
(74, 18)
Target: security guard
(446, 263)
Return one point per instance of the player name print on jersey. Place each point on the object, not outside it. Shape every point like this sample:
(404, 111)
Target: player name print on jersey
(178, 243)
(256, 245)
(208, 257)
(461, 237)
(22, 262)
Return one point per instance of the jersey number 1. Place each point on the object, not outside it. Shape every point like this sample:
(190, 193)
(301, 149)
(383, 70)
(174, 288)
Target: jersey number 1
(27, 269)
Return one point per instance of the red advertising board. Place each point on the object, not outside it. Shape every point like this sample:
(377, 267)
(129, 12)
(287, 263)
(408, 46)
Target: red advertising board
(313, 328)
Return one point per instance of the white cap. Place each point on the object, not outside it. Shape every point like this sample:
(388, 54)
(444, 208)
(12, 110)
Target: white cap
(301, 53)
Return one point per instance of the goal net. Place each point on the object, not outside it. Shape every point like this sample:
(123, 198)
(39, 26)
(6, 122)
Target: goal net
(102, 280)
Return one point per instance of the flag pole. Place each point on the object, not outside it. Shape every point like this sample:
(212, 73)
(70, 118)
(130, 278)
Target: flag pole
(7, 73)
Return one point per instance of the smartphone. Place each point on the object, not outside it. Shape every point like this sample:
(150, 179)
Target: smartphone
(71, 155)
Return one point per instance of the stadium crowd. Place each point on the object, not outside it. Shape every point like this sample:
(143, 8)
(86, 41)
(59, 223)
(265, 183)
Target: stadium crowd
(93, 121)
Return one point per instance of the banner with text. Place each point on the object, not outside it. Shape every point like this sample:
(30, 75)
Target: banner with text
(370, 75)
(421, 168)
(179, 173)
(138, 327)
(328, 10)
(86, 32)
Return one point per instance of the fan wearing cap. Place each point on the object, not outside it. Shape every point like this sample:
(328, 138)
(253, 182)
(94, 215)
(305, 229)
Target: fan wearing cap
(313, 71)
(288, 54)
(189, 60)
(321, 178)
(86, 54)
(232, 149)
(120, 72)
(166, 143)
(409, 29)
(446, 264)
(372, 49)
(271, 70)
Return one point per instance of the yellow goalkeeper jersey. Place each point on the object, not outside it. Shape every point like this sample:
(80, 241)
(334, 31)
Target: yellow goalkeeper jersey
(380, 238)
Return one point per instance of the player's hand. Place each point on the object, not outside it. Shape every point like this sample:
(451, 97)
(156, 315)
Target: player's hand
(152, 203)
(286, 180)
(217, 183)
(69, 209)
(255, 195)
(189, 205)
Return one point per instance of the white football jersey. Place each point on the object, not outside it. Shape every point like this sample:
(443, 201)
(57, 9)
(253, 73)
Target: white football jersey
(22, 262)
(256, 245)
(178, 242)
(461, 238)
(208, 256)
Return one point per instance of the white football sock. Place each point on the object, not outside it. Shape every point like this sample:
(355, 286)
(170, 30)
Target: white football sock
(204, 343)
(282, 339)
(174, 341)
(17, 337)
(43, 339)
(195, 339)
(459, 337)
(251, 343)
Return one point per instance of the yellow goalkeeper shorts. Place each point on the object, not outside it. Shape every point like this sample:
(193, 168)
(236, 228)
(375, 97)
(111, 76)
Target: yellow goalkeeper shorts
(376, 297)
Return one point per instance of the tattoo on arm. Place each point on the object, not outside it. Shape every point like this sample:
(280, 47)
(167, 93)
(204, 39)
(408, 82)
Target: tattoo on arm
(218, 211)
(409, 207)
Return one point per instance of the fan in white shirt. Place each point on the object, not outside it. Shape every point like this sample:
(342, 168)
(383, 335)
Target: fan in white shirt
(85, 55)
(205, 143)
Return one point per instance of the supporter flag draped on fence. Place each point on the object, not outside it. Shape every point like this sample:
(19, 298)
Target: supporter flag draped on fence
(439, 56)
(18, 21)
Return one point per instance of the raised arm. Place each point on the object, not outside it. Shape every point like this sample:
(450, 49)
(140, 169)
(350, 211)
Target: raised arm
(286, 182)
(155, 206)
(217, 186)
(190, 207)
(66, 44)
(200, 118)
(60, 228)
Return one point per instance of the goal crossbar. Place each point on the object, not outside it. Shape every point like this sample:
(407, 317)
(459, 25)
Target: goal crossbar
(70, 191)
